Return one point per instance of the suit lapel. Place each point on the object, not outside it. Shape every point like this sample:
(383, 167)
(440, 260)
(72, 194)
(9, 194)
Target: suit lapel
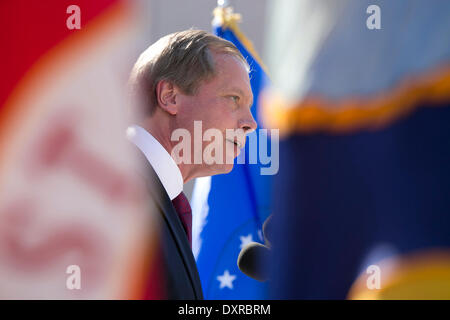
(171, 217)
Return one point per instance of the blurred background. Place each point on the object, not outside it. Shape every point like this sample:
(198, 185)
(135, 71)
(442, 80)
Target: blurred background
(165, 17)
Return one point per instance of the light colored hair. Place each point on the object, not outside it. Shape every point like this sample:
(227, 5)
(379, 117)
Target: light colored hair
(184, 58)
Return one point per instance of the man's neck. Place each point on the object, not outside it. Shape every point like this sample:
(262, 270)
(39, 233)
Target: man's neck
(187, 171)
(159, 158)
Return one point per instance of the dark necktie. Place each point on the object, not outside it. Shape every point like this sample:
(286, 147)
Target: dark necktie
(184, 211)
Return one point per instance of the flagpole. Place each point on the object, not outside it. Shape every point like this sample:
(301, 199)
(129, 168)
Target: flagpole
(231, 19)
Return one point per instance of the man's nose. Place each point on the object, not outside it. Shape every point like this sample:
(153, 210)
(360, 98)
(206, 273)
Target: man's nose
(248, 123)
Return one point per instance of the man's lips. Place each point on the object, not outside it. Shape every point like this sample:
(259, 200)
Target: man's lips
(236, 143)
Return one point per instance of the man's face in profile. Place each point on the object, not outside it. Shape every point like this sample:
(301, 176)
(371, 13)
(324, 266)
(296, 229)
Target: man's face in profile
(221, 103)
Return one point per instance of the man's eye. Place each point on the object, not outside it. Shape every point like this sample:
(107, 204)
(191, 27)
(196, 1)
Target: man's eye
(235, 98)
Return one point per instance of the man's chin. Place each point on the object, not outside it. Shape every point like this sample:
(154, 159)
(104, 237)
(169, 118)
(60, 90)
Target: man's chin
(214, 169)
(222, 168)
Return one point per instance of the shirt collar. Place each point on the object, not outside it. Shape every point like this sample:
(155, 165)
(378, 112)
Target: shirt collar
(161, 161)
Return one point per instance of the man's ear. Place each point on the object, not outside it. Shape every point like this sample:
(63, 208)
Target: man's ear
(167, 96)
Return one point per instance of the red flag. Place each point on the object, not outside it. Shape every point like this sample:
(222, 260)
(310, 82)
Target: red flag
(73, 220)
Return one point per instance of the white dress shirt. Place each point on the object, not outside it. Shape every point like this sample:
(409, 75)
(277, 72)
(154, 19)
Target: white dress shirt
(161, 161)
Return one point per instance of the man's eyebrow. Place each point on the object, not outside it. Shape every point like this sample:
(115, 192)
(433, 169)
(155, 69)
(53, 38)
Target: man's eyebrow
(241, 93)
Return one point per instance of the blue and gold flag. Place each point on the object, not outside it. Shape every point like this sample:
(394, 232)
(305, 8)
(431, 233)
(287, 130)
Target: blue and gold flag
(361, 94)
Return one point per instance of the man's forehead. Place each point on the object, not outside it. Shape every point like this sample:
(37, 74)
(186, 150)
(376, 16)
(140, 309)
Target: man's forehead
(224, 61)
(231, 68)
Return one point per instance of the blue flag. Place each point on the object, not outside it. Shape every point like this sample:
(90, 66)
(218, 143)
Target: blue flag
(361, 208)
(229, 209)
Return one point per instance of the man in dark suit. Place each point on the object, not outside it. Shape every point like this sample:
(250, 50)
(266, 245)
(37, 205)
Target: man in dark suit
(195, 86)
